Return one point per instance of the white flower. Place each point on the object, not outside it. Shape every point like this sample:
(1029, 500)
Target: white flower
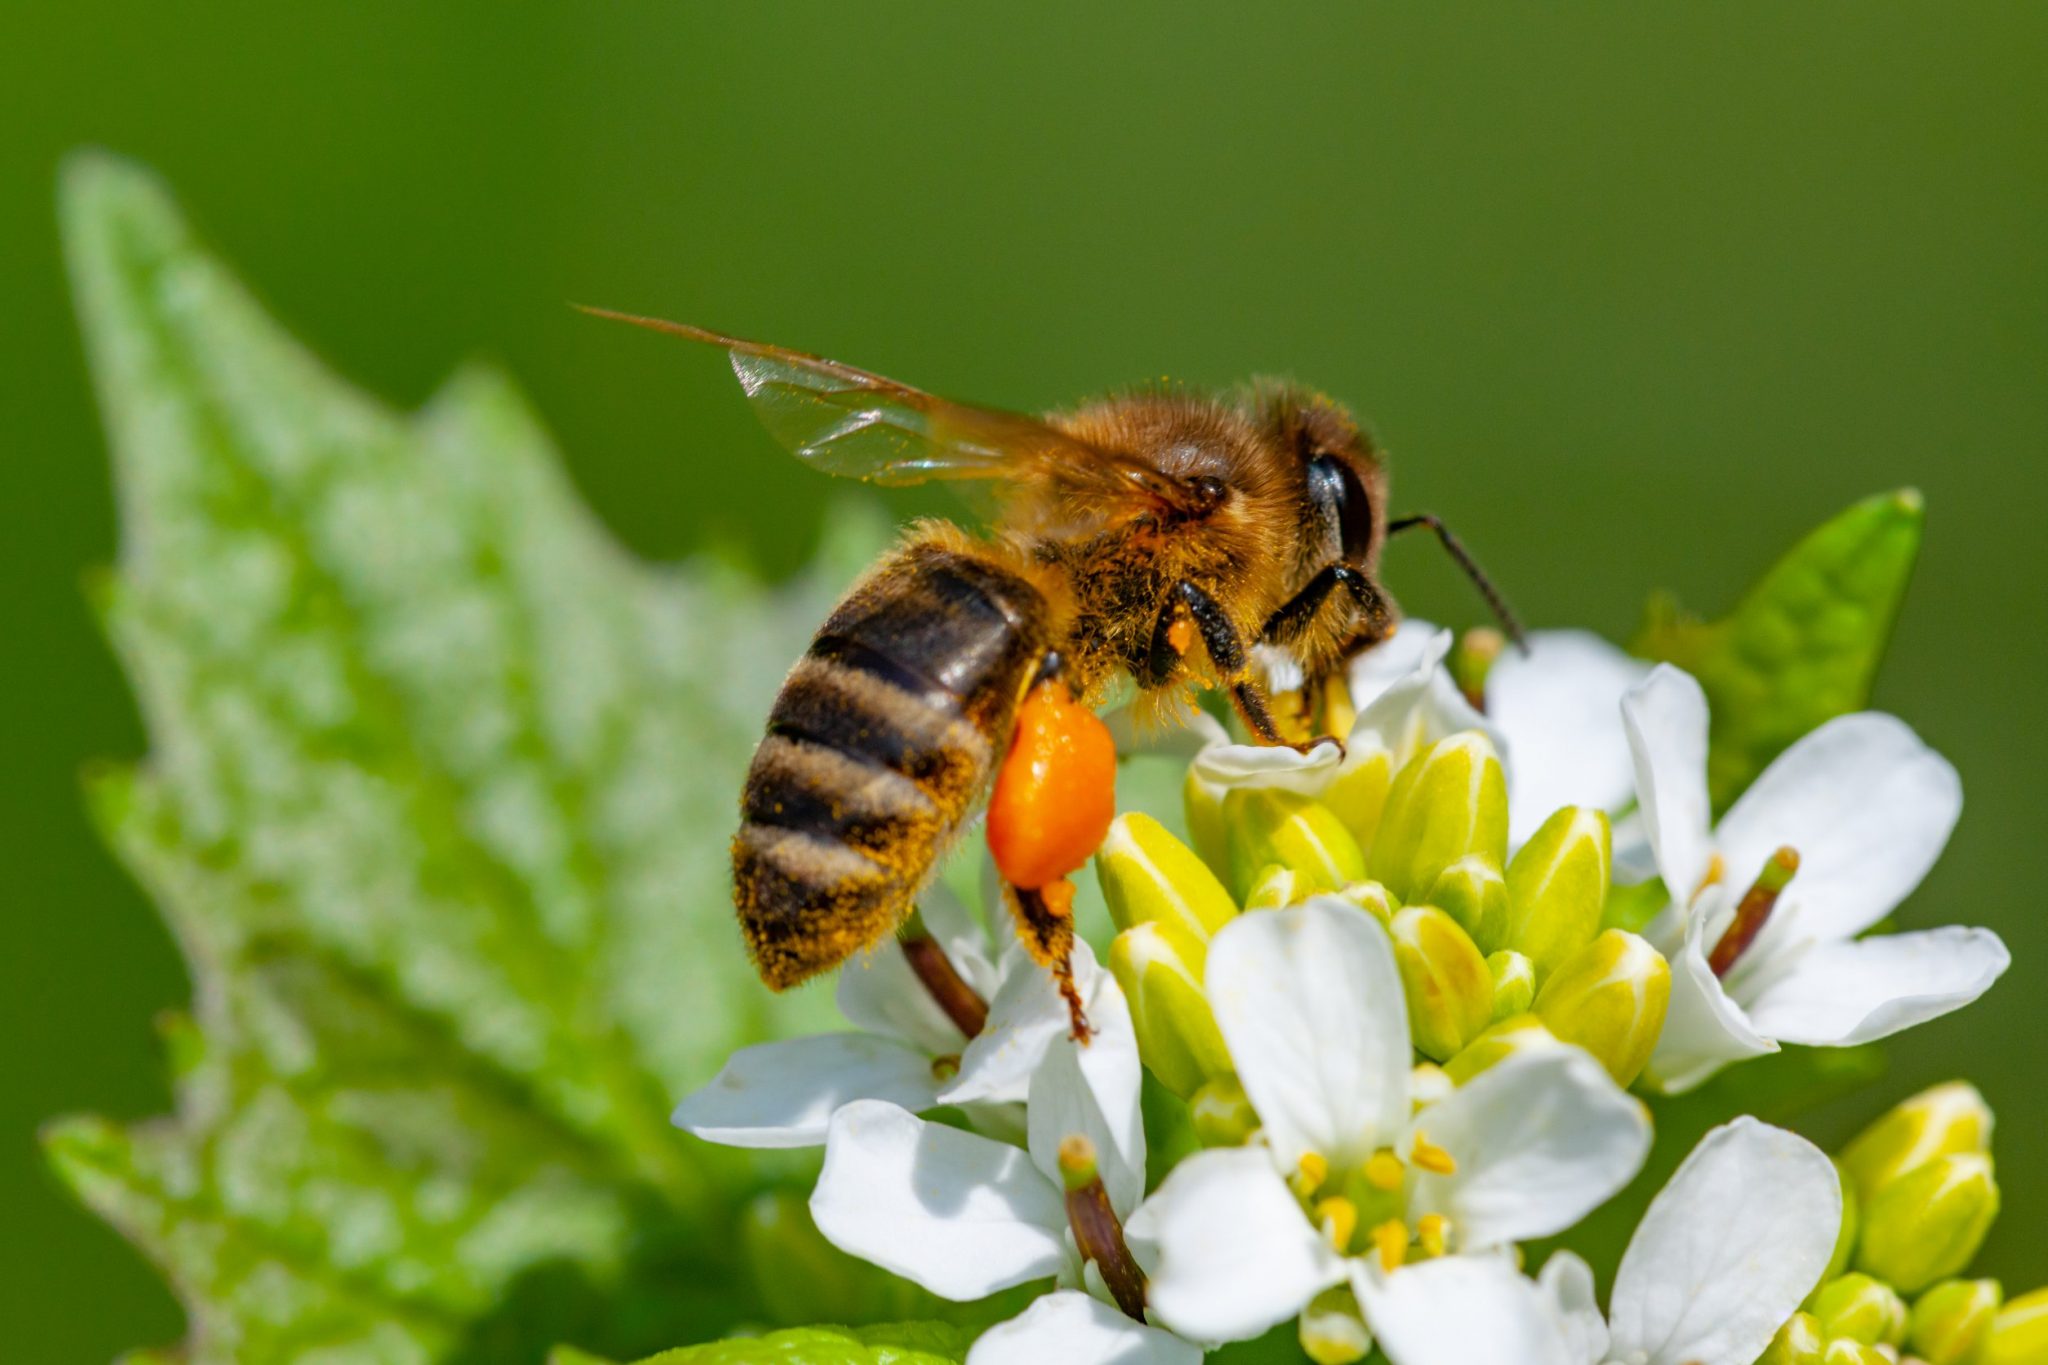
(1310, 1003)
(1867, 808)
(1726, 1253)
(965, 1215)
(1550, 713)
(908, 1051)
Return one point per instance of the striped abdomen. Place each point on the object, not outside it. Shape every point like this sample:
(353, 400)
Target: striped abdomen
(878, 745)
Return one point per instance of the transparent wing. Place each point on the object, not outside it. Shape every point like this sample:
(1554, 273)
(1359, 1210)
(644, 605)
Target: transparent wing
(857, 425)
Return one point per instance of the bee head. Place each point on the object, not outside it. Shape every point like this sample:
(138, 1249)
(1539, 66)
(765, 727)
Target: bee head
(1343, 483)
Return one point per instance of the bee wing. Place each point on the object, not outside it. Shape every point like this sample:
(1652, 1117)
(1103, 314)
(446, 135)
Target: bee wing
(858, 425)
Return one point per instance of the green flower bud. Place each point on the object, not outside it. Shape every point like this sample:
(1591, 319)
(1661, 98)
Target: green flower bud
(2019, 1335)
(1160, 970)
(1517, 1034)
(1372, 898)
(1951, 1324)
(1514, 984)
(1609, 998)
(1860, 1308)
(1845, 1240)
(1473, 892)
(1276, 886)
(1472, 659)
(1147, 875)
(1358, 794)
(1450, 802)
(1798, 1342)
(1948, 1118)
(1557, 887)
(1925, 1225)
(1332, 1331)
(1847, 1351)
(1449, 989)
(1265, 825)
(1202, 803)
(1222, 1113)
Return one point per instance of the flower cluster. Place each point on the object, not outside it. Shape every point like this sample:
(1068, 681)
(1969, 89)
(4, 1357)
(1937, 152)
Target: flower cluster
(1399, 991)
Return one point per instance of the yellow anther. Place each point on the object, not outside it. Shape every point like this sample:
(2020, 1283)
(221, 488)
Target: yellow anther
(1431, 1157)
(1433, 1230)
(1717, 868)
(1384, 1171)
(1338, 1217)
(1310, 1173)
(1391, 1240)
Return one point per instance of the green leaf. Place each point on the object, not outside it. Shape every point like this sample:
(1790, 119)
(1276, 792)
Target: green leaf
(1804, 645)
(436, 806)
(903, 1343)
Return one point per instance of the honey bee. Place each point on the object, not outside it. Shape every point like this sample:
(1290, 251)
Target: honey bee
(1154, 536)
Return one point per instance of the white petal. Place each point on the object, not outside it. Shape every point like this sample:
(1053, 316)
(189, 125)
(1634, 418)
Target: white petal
(1704, 1028)
(879, 993)
(1414, 645)
(1461, 1310)
(1091, 1090)
(1727, 1250)
(1419, 706)
(1560, 708)
(784, 1094)
(1229, 1251)
(959, 1214)
(1073, 1329)
(1026, 1014)
(1837, 994)
(1540, 1141)
(1310, 1004)
(1665, 716)
(1568, 1283)
(1269, 765)
(1868, 807)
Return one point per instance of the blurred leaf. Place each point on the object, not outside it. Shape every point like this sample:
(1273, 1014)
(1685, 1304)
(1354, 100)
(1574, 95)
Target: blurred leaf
(903, 1343)
(1804, 645)
(436, 806)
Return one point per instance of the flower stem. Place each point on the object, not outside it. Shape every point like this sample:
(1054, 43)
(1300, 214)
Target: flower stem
(1097, 1231)
(967, 1010)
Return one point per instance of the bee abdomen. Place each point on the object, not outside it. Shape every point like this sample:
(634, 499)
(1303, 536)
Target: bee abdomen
(878, 744)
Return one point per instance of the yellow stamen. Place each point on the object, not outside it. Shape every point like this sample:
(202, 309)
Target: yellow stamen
(1433, 1231)
(1391, 1239)
(1717, 868)
(1384, 1171)
(1338, 1217)
(1310, 1173)
(1431, 1157)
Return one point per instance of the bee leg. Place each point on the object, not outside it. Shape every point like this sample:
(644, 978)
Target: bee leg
(1045, 922)
(1295, 615)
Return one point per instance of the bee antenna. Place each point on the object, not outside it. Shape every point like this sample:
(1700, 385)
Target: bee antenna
(1455, 548)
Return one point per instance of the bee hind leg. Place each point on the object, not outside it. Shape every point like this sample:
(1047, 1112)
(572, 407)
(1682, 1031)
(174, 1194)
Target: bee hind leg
(1045, 923)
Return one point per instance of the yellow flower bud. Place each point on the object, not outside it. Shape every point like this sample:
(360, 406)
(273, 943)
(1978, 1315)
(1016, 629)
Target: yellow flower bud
(1951, 1324)
(1860, 1308)
(1160, 970)
(1202, 803)
(1265, 825)
(1332, 1330)
(1222, 1113)
(1517, 1034)
(1449, 989)
(1450, 802)
(1358, 794)
(1852, 1216)
(1514, 984)
(1147, 875)
(1798, 1342)
(1372, 898)
(1925, 1225)
(1557, 887)
(1948, 1118)
(1609, 998)
(1473, 892)
(1848, 1351)
(1276, 886)
(2019, 1334)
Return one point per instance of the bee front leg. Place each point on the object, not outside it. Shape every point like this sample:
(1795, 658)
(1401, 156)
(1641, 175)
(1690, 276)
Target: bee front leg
(1299, 612)
(1187, 603)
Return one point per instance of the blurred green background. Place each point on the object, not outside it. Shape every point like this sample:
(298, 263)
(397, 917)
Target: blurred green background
(1635, 294)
